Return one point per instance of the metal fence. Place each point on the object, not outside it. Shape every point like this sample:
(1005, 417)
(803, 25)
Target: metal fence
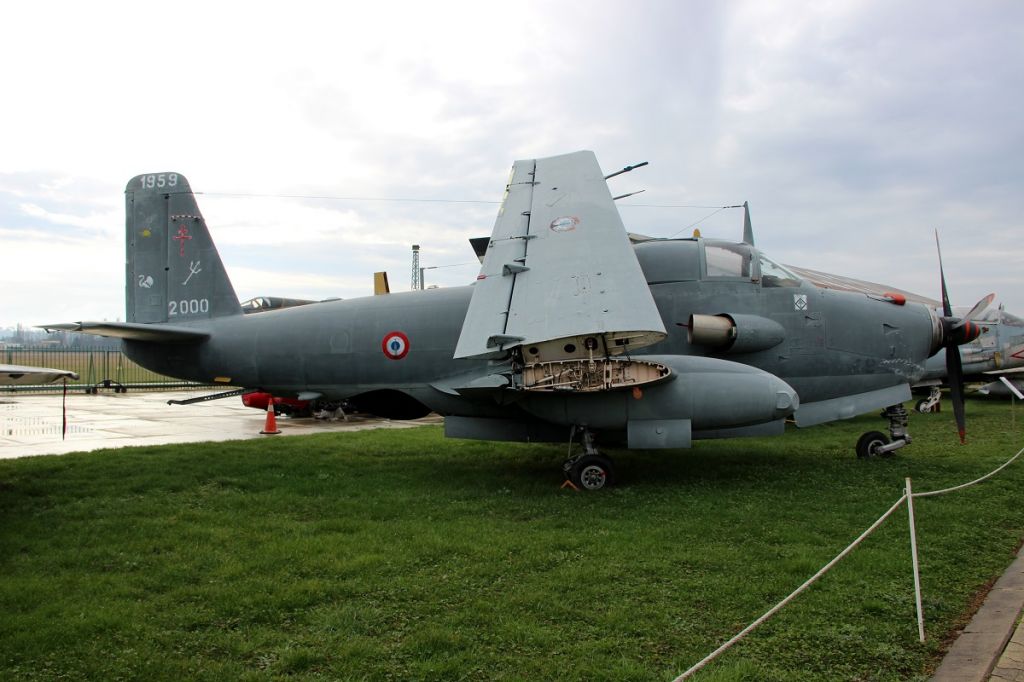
(98, 369)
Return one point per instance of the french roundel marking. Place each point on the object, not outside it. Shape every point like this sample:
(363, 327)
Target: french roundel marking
(395, 345)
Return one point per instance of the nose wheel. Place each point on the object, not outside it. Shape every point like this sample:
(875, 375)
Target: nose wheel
(590, 470)
(876, 444)
(933, 403)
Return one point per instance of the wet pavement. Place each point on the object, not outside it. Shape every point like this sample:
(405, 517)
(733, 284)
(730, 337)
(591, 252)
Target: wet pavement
(32, 425)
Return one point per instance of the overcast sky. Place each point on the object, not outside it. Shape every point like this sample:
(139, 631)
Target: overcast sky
(853, 128)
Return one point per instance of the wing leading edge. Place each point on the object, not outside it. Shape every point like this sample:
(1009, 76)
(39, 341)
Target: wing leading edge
(559, 267)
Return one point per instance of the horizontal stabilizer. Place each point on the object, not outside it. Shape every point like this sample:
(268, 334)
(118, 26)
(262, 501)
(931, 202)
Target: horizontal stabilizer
(132, 330)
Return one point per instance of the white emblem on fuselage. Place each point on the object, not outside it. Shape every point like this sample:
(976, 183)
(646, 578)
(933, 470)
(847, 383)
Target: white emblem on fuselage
(799, 301)
(145, 281)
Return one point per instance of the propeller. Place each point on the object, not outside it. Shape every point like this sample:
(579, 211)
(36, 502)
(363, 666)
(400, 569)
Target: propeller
(955, 332)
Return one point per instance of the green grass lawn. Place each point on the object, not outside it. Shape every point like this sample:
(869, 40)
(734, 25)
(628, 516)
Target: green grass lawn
(399, 555)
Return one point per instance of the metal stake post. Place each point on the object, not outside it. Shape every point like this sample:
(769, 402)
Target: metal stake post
(913, 555)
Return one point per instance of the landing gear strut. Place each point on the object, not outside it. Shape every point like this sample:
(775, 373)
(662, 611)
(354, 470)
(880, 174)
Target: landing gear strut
(590, 470)
(875, 443)
(932, 403)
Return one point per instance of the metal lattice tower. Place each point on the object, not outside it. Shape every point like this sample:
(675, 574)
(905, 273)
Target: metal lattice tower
(417, 275)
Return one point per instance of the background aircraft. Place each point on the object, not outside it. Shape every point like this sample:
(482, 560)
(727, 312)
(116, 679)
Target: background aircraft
(567, 333)
(998, 350)
(1006, 387)
(25, 375)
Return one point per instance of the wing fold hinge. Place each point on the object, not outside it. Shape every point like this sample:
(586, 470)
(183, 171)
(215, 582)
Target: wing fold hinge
(513, 269)
(501, 340)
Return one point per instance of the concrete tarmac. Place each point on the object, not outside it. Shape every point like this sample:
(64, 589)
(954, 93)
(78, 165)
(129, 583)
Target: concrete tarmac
(32, 425)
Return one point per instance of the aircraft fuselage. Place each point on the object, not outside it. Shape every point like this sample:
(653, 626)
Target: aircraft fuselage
(834, 343)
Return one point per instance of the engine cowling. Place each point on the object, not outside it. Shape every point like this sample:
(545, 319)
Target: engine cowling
(734, 334)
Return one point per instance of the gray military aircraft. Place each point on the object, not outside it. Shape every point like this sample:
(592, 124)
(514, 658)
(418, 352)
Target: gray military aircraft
(568, 332)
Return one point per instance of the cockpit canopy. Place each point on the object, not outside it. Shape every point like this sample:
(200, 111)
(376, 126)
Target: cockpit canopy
(686, 260)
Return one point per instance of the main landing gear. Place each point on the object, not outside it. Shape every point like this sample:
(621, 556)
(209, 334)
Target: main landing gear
(875, 443)
(590, 470)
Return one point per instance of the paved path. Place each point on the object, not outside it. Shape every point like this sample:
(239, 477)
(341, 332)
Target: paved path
(1010, 667)
(991, 646)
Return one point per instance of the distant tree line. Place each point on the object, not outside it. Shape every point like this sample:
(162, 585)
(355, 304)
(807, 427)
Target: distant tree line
(31, 338)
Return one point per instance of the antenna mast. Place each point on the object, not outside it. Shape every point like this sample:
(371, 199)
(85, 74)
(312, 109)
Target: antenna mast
(417, 274)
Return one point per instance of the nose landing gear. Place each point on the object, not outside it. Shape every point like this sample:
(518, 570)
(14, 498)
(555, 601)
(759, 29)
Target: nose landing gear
(933, 403)
(875, 443)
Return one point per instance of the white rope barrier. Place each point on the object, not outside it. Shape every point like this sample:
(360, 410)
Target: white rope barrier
(813, 579)
(967, 485)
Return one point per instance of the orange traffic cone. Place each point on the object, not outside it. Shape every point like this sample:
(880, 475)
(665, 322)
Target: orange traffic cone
(270, 427)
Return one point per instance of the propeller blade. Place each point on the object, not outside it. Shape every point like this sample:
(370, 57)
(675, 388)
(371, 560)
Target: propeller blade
(965, 331)
(955, 377)
(947, 309)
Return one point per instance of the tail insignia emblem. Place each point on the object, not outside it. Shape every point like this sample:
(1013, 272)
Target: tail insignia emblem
(181, 237)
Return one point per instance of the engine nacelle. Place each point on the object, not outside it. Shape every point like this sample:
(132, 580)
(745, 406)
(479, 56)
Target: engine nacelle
(734, 334)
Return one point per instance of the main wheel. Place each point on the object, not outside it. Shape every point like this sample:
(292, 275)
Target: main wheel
(868, 444)
(592, 472)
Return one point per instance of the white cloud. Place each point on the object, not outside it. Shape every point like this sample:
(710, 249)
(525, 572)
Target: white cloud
(853, 128)
(101, 222)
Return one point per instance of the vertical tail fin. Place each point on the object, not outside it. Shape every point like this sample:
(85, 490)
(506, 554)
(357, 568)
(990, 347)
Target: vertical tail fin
(173, 270)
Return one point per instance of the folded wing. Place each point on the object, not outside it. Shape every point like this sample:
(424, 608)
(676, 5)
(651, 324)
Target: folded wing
(559, 268)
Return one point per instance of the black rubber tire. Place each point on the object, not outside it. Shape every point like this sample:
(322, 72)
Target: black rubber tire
(592, 472)
(867, 443)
